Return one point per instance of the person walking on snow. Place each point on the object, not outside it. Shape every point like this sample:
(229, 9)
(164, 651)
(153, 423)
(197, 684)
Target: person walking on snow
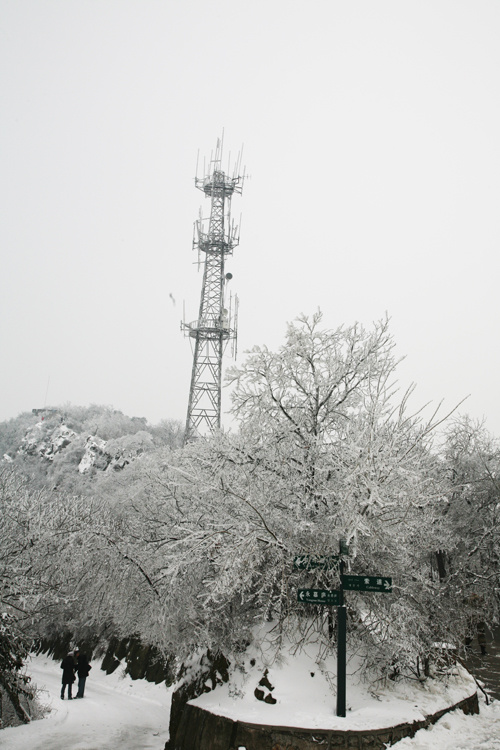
(83, 670)
(68, 666)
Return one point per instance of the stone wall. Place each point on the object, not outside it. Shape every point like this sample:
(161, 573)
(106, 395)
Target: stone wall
(213, 671)
(202, 730)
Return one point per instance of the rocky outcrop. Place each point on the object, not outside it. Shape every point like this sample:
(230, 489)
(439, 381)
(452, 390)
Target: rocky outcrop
(90, 451)
(140, 660)
(44, 442)
(95, 455)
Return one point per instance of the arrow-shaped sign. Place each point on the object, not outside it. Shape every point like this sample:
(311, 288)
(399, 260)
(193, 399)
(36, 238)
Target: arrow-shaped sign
(318, 596)
(312, 562)
(380, 584)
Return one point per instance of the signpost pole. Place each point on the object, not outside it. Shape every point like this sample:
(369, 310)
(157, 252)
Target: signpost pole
(341, 649)
(381, 584)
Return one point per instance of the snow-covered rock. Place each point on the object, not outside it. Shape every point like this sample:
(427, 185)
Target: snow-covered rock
(46, 439)
(95, 455)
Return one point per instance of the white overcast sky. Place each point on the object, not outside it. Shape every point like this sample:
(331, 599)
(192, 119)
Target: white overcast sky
(371, 134)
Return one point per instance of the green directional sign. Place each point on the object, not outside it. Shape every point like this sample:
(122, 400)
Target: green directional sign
(318, 596)
(380, 584)
(312, 562)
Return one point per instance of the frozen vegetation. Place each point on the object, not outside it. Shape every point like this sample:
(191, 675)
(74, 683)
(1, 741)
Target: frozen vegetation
(109, 528)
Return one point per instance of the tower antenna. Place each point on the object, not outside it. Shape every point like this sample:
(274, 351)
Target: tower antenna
(217, 321)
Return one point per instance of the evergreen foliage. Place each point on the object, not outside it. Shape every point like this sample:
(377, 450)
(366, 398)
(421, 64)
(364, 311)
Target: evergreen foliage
(13, 681)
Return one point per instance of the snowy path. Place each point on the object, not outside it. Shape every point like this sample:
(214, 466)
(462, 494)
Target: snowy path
(116, 712)
(456, 731)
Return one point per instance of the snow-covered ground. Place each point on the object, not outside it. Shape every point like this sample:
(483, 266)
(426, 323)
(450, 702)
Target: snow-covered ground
(304, 699)
(455, 731)
(303, 694)
(118, 713)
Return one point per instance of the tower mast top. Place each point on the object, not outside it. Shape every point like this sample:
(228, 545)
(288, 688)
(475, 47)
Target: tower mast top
(216, 324)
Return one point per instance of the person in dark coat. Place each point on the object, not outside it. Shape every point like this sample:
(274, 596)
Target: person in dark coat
(68, 666)
(83, 670)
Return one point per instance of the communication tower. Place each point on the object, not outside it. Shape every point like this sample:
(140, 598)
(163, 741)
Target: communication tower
(217, 321)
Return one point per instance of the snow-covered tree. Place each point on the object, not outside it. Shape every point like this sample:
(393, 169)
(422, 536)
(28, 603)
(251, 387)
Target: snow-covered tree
(324, 452)
(13, 651)
(193, 548)
(41, 546)
(38, 554)
(471, 565)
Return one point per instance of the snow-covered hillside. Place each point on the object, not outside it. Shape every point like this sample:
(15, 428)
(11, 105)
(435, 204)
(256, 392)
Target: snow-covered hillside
(69, 445)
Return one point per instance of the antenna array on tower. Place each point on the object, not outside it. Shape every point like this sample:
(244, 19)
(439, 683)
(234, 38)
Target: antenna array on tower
(215, 237)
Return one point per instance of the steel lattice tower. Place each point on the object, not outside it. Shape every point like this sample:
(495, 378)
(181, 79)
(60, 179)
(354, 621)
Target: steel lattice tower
(217, 322)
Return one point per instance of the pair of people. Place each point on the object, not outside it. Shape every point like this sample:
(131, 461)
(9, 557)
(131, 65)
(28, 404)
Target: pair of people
(72, 664)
